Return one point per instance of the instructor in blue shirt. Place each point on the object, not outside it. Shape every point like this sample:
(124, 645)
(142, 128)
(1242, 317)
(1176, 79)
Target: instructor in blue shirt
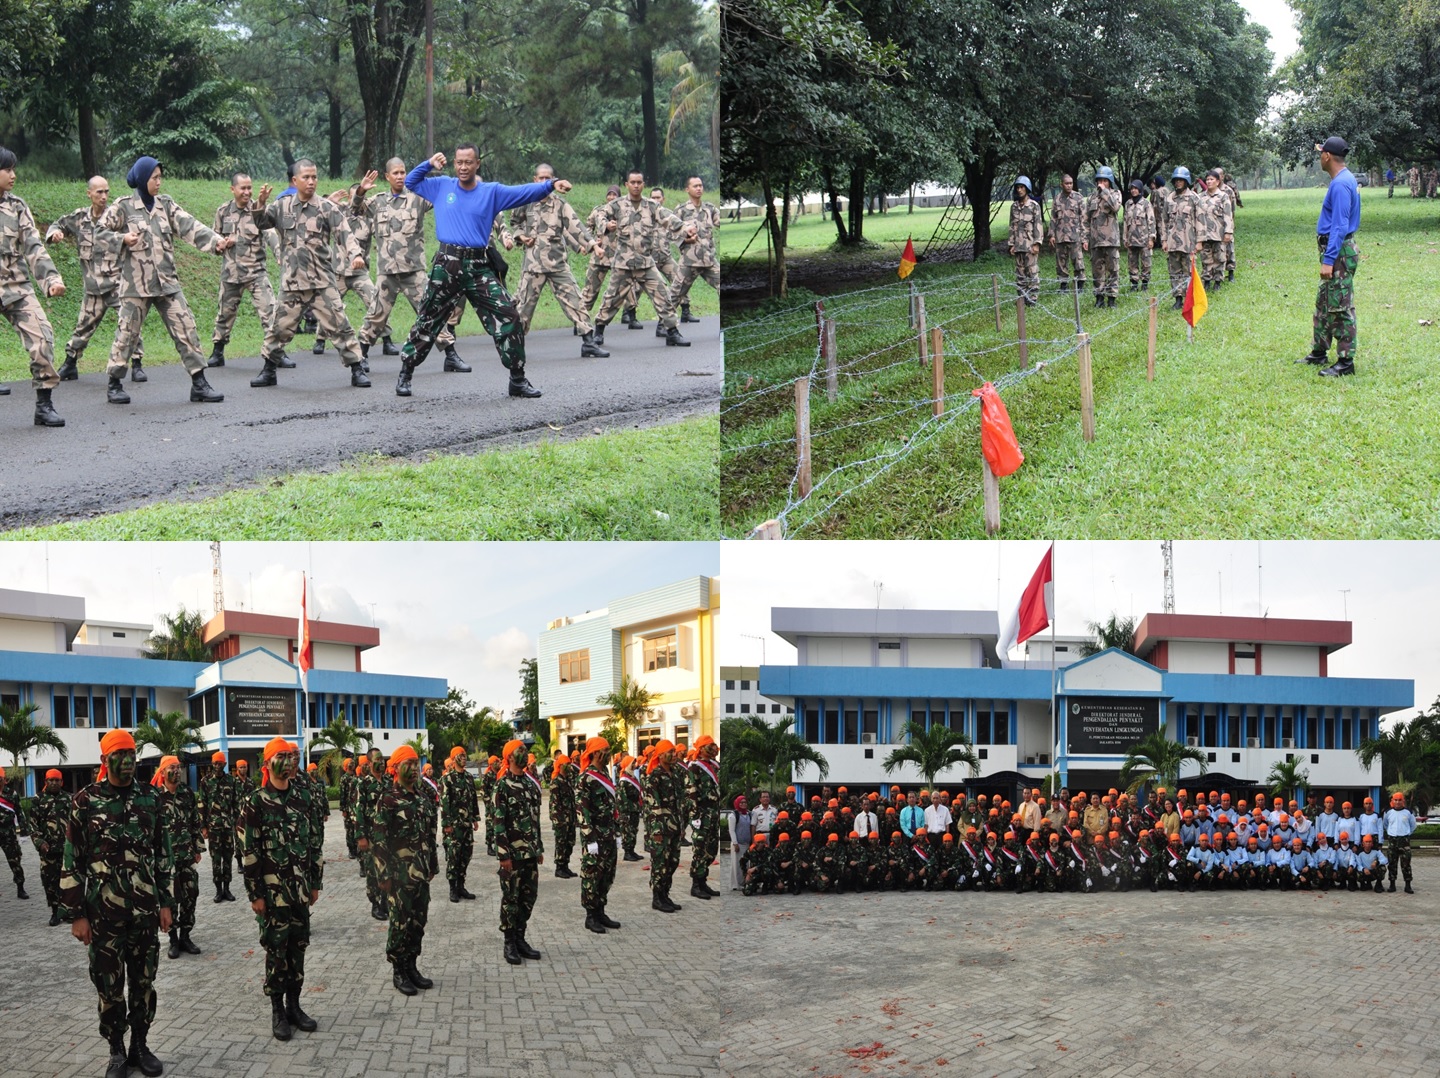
(1335, 234)
(465, 209)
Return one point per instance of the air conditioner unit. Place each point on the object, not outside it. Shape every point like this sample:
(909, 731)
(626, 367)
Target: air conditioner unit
(1032, 760)
(867, 739)
(81, 724)
(689, 711)
(660, 714)
(1252, 742)
(562, 724)
(1287, 742)
(1192, 741)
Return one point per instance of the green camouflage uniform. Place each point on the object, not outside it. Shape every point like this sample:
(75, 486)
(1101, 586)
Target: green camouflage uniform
(404, 845)
(49, 816)
(552, 224)
(599, 267)
(366, 797)
(488, 781)
(180, 812)
(1067, 233)
(703, 787)
(243, 270)
(637, 225)
(283, 865)
(757, 869)
(1335, 303)
(148, 276)
(1139, 240)
(1212, 225)
(244, 787)
(398, 225)
(1102, 229)
(1182, 214)
(1027, 231)
(20, 245)
(562, 812)
(100, 263)
(597, 811)
(666, 800)
(630, 796)
(459, 812)
(697, 256)
(518, 840)
(319, 799)
(118, 876)
(348, 783)
(220, 800)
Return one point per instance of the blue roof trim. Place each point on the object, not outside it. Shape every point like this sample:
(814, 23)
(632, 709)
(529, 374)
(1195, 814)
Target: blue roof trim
(889, 681)
(1390, 694)
(72, 669)
(364, 684)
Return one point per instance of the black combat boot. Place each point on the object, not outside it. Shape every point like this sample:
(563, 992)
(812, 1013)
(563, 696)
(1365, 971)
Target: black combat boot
(137, 372)
(45, 415)
(1408, 889)
(631, 855)
(604, 920)
(390, 349)
(511, 954)
(592, 923)
(174, 951)
(1379, 887)
(1342, 366)
(279, 1021)
(670, 900)
(202, 392)
(68, 371)
(674, 340)
(365, 351)
(1134, 286)
(1179, 303)
(1099, 300)
(228, 896)
(454, 894)
(284, 362)
(454, 364)
(141, 1056)
(521, 945)
(564, 871)
(599, 332)
(401, 979)
(697, 889)
(418, 979)
(1392, 886)
(119, 1059)
(685, 315)
(1314, 358)
(358, 378)
(589, 349)
(186, 943)
(1229, 274)
(632, 322)
(520, 385)
(296, 1017)
(219, 893)
(55, 915)
(626, 316)
(115, 393)
(466, 894)
(706, 884)
(402, 383)
(377, 911)
(659, 328)
(266, 377)
(217, 354)
(319, 349)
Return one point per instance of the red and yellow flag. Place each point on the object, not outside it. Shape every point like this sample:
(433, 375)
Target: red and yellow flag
(1195, 302)
(907, 260)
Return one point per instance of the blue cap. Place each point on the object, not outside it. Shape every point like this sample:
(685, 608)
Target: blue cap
(1181, 173)
(1022, 181)
(1105, 172)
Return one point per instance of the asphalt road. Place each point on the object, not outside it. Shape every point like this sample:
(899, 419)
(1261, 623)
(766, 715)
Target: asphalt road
(160, 447)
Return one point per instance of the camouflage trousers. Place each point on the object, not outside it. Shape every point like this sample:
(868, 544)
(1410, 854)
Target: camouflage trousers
(187, 891)
(685, 276)
(372, 883)
(629, 827)
(284, 933)
(595, 275)
(11, 845)
(1212, 261)
(222, 848)
(1335, 304)
(1138, 263)
(1027, 276)
(518, 894)
(36, 337)
(665, 263)
(564, 839)
(566, 294)
(1105, 270)
(622, 281)
(597, 874)
(489, 832)
(231, 293)
(349, 820)
(453, 280)
(329, 311)
(178, 321)
(706, 845)
(664, 856)
(389, 287)
(409, 904)
(120, 951)
(1399, 854)
(50, 868)
(1178, 264)
(1230, 254)
(92, 313)
(1069, 257)
(459, 847)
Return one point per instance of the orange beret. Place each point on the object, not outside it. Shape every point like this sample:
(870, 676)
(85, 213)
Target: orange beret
(53, 773)
(116, 741)
(403, 753)
(217, 758)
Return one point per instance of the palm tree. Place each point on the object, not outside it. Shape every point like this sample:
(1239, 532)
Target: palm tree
(1285, 776)
(542, 747)
(630, 704)
(341, 739)
(695, 91)
(1114, 632)
(932, 751)
(20, 736)
(1409, 755)
(418, 744)
(179, 638)
(1158, 759)
(172, 733)
(768, 753)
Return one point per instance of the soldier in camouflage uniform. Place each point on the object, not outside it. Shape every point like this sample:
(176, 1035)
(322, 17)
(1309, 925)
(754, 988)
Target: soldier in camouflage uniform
(703, 787)
(147, 224)
(310, 230)
(597, 812)
(12, 822)
(1180, 239)
(1027, 230)
(1067, 234)
(116, 888)
(520, 848)
(488, 781)
(244, 787)
(665, 797)
(460, 818)
(636, 220)
(757, 868)
(367, 795)
(351, 278)
(630, 798)
(1215, 230)
(49, 816)
(562, 813)
(544, 229)
(181, 815)
(602, 260)
(313, 783)
(20, 245)
(347, 804)
(220, 798)
(100, 263)
(1228, 183)
(1334, 317)
(405, 863)
(1102, 237)
(1413, 176)
(699, 221)
(243, 269)
(1139, 236)
(283, 878)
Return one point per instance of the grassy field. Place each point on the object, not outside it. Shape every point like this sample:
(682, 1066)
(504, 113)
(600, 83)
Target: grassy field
(1232, 439)
(200, 277)
(813, 235)
(658, 483)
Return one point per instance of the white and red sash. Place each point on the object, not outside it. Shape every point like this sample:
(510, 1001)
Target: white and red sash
(1050, 860)
(990, 856)
(709, 769)
(1006, 851)
(923, 855)
(974, 854)
(9, 806)
(602, 780)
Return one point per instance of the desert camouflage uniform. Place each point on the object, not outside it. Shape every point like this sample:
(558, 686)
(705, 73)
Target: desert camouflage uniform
(1182, 213)
(660, 241)
(221, 798)
(518, 840)
(358, 280)
(283, 865)
(1067, 232)
(703, 787)
(1212, 224)
(599, 267)
(100, 263)
(398, 225)
(243, 270)
(1139, 239)
(404, 845)
(49, 817)
(1102, 228)
(20, 245)
(597, 811)
(697, 256)
(636, 223)
(459, 812)
(1414, 177)
(1027, 231)
(1235, 203)
(666, 795)
(180, 812)
(553, 224)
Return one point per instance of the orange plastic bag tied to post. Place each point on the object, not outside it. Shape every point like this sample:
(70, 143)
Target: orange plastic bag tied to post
(997, 437)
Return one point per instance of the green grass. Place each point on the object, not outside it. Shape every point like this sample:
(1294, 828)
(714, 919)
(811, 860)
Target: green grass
(200, 278)
(813, 235)
(595, 488)
(1231, 440)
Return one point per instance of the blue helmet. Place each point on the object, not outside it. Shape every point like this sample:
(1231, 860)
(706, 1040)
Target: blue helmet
(1181, 173)
(1022, 181)
(1105, 172)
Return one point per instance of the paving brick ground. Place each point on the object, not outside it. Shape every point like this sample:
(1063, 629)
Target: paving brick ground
(951, 985)
(631, 1003)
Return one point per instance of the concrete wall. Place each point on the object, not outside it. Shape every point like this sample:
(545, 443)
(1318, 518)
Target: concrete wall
(1289, 660)
(19, 635)
(1200, 657)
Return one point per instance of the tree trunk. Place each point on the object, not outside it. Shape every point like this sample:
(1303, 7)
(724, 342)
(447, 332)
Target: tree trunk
(89, 151)
(336, 163)
(647, 111)
(777, 239)
(833, 194)
(857, 204)
(384, 36)
(979, 182)
(785, 224)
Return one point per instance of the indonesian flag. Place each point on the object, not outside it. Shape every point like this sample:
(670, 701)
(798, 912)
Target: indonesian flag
(907, 260)
(1034, 611)
(1195, 302)
(305, 653)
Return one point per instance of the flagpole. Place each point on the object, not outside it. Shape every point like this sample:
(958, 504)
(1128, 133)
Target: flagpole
(1054, 721)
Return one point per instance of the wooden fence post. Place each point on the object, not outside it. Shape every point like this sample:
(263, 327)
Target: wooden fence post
(937, 370)
(832, 371)
(1150, 360)
(819, 320)
(769, 530)
(802, 436)
(1087, 391)
(992, 498)
(995, 287)
(920, 319)
(1020, 331)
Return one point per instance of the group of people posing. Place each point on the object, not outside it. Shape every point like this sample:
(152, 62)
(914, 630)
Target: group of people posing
(127, 254)
(1104, 843)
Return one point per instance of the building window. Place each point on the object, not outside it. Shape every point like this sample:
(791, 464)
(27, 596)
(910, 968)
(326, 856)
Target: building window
(743, 684)
(62, 712)
(645, 737)
(575, 745)
(744, 709)
(812, 726)
(81, 715)
(729, 709)
(660, 654)
(832, 727)
(870, 726)
(730, 684)
(774, 709)
(574, 666)
(100, 712)
(983, 728)
(682, 735)
(852, 728)
(125, 711)
(10, 700)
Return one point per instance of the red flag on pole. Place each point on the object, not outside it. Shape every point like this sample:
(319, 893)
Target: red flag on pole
(907, 260)
(1034, 611)
(305, 653)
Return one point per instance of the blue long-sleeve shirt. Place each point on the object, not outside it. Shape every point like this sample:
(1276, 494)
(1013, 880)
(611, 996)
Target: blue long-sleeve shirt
(464, 218)
(1339, 214)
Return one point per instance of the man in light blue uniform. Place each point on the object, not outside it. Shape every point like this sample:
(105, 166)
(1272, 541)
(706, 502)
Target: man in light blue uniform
(1370, 865)
(1302, 865)
(1324, 858)
(1335, 301)
(1326, 822)
(1277, 864)
(1399, 826)
(1372, 824)
(1345, 862)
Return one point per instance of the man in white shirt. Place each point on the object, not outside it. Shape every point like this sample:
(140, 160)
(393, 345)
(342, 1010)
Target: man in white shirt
(866, 822)
(937, 818)
(762, 816)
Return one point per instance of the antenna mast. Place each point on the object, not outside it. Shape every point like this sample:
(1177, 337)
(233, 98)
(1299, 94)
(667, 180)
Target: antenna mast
(1167, 547)
(219, 581)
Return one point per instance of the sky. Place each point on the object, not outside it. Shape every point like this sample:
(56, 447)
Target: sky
(467, 612)
(1277, 17)
(1389, 591)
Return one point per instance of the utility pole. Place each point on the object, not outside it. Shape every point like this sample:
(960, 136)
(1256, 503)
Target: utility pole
(1167, 547)
(219, 580)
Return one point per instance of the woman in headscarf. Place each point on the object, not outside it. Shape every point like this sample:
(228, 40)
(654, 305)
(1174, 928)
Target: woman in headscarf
(740, 835)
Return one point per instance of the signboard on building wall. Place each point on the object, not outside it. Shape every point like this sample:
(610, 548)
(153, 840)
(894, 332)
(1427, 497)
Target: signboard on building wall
(1108, 725)
(260, 712)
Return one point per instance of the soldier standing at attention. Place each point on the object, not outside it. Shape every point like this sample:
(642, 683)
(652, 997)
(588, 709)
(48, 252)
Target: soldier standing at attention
(544, 228)
(1227, 182)
(1215, 231)
(562, 813)
(347, 804)
(1067, 234)
(115, 890)
(220, 799)
(597, 810)
(1139, 236)
(1026, 232)
(1182, 210)
(666, 796)
(520, 848)
(636, 220)
(20, 246)
(604, 258)
(100, 262)
(10, 825)
(283, 869)
(355, 279)
(147, 223)
(404, 845)
(372, 785)
(487, 794)
(49, 816)
(244, 787)
(630, 797)
(181, 816)
(1102, 237)
(243, 269)
(313, 783)
(699, 221)
(703, 782)
(460, 817)
(1335, 233)
(1399, 826)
